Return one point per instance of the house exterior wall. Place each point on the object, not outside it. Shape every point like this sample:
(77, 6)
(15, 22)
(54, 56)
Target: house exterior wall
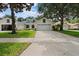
(40, 25)
(74, 27)
(48, 21)
(4, 21)
(71, 26)
(22, 25)
(30, 25)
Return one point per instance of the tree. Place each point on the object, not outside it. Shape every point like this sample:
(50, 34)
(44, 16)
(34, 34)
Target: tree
(57, 10)
(7, 16)
(39, 17)
(15, 8)
(20, 19)
(75, 10)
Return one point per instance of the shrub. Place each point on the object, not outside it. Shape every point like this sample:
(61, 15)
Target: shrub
(56, 27)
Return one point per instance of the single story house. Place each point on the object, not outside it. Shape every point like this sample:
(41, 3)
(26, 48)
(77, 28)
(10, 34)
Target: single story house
(67, 25)
(73, 26)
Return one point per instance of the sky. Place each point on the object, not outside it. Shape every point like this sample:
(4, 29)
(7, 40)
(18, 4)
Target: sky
(24, 14)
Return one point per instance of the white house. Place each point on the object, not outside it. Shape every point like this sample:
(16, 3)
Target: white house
(42, 24)
(72, 26)
(67, 25)
(5, 24)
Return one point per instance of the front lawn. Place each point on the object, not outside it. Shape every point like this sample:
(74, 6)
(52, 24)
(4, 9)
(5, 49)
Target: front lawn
(12, 49)
(19, 34)
(74, 33)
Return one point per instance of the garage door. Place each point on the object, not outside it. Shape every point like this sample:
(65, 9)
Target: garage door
(43, 27)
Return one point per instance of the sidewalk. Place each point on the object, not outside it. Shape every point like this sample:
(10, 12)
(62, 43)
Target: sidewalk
(16, 39)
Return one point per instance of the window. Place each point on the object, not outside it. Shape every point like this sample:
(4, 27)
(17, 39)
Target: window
(27, 26)
(44, 21)
(33, 26)
(8, 21)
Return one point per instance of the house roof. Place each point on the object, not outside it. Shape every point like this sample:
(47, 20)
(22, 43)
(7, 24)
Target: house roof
(67, 23)
(72, 24)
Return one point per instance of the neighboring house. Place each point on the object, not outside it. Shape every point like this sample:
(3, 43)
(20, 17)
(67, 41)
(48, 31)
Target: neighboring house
(42, 24)
(67, 25)
(72, 26)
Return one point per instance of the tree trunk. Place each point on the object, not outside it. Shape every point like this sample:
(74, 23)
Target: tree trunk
(62, 17)
(61, 25)
(13, 21)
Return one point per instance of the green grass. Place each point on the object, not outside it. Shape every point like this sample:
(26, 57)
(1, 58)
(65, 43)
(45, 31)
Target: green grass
(74, 33)
(12, 49)
(19, 34)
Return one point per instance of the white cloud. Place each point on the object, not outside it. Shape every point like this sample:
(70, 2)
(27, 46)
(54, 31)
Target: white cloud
(27, 14)
(33, 12)
(24, 14)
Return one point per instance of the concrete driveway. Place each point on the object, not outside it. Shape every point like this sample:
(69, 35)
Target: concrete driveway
(50, 43)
